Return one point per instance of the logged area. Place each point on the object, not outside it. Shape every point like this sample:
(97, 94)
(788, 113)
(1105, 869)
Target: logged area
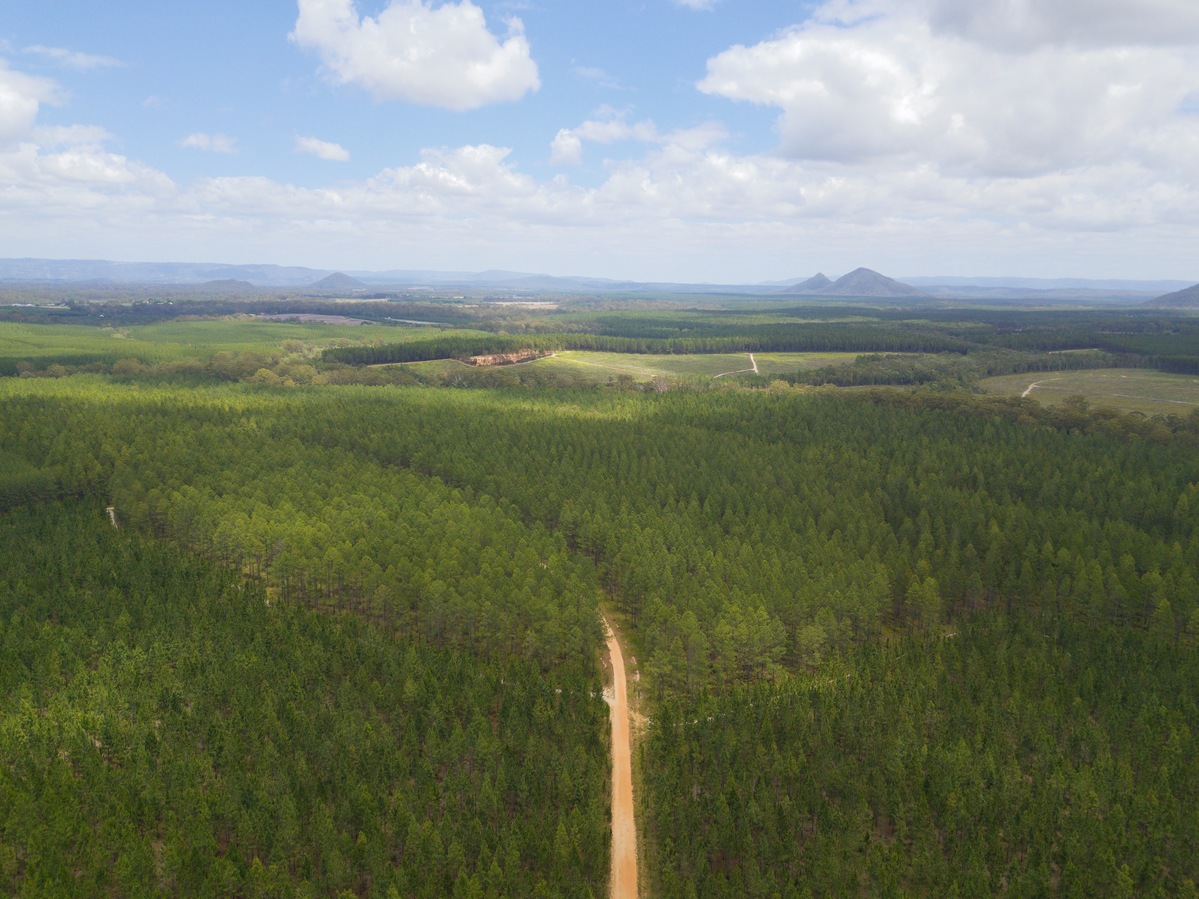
(1125, 389)
(895, 634)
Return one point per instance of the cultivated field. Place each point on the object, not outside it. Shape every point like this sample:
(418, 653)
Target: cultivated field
(1126, 389)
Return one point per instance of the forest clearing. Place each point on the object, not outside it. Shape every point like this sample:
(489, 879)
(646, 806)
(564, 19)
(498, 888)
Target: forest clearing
(1129, 390)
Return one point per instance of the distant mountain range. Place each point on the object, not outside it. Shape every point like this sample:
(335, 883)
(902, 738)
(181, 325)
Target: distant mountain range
(1187, 298)
(338, 281)
(859, 284)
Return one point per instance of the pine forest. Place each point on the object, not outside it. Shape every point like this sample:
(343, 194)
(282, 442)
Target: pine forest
(306, 610)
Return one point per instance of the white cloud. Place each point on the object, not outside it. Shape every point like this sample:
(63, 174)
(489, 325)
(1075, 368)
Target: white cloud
(212, 143)
(932, 149)
(890, 87)
(566, 148)
(682, 209)
(697, 4)
(322, 149)
(70, 135)
(73, 59)
(433, 55)
(610, 128)
(21, 97)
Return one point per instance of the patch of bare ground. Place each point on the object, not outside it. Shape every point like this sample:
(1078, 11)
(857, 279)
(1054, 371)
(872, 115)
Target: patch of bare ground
(624, 823)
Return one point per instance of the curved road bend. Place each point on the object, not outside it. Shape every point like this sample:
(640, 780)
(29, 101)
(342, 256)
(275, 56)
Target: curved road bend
(624, 826)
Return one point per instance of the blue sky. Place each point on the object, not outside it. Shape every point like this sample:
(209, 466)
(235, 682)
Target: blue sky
(700, 140)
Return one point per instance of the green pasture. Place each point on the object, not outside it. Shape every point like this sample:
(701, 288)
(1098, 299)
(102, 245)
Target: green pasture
(1125, 389)
(436, 368)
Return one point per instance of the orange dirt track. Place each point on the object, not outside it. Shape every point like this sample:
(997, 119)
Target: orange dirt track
(624, 826)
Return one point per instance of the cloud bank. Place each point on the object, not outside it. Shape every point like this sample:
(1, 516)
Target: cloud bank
(894, 87)
(1052, 148)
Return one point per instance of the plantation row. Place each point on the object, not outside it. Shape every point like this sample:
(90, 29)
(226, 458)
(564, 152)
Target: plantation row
(218, 472)
(167, 729)
(382, 677)
(1016, 757)
(746, 534)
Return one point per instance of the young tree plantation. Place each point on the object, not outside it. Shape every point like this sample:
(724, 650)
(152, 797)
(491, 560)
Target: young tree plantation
(893, 636)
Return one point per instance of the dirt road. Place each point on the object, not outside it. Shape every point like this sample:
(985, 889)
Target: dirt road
(1036, 384)
(741, 371)
(624, 826)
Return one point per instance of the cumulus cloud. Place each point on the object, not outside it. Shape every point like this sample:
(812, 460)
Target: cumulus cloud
(897, 128)
(433, 55)
(892, 86)
(567, 146)
(73, 59)
(322, 149)
(212, 143)
(683, 208)
(21, 96)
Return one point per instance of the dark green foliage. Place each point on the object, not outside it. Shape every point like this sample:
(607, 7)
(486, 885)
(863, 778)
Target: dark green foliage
(240, 479)
(763, 544)
(780, 527)
(165, 730)
(22, 483)
(744, 532)
(1000, 761)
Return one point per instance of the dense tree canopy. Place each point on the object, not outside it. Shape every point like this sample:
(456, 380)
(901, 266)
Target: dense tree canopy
(166, 729)
(346, 639)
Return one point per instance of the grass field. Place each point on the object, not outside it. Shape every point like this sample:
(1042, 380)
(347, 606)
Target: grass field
(645, 367)
(771, 364)
(1126, 389)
